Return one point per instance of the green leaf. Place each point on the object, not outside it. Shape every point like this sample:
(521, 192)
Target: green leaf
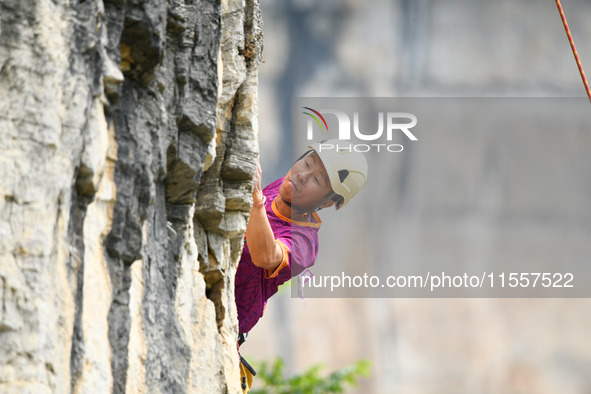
(310, 381)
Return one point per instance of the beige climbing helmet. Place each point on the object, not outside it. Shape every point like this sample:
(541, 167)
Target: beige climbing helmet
(347, 169)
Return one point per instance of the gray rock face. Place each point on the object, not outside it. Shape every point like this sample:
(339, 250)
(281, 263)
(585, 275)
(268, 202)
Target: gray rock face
(128, 137)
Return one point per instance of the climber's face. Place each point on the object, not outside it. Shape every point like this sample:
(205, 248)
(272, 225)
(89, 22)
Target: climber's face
(306, 186)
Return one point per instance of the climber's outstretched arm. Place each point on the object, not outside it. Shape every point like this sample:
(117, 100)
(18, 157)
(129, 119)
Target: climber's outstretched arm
(264, 251)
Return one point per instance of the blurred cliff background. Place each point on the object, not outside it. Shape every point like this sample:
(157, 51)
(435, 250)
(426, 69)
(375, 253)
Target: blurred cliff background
(450, 48)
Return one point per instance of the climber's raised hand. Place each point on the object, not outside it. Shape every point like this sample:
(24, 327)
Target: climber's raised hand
(257, 191)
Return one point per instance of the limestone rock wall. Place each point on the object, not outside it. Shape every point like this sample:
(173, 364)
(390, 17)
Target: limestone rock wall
(128, 140)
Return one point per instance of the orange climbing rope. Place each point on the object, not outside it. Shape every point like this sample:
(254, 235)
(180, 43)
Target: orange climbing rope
(572, 45)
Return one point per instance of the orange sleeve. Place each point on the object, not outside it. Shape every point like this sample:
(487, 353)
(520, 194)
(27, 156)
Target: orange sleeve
(284, 260)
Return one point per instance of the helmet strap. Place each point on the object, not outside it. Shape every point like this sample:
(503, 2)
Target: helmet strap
(315, 209)
(298, 210)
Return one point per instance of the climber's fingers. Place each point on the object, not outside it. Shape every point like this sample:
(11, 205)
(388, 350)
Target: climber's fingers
(256, 181)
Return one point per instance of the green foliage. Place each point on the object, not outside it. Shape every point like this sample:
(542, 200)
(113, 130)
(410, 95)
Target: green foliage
(310, 381)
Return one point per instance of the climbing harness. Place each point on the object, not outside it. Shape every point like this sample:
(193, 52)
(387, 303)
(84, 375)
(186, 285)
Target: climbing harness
(572, 45)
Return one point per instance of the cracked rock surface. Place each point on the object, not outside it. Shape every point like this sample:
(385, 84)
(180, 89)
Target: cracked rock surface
(128, 139)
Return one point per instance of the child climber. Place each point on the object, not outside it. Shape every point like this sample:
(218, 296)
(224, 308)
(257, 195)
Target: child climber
(282, 233)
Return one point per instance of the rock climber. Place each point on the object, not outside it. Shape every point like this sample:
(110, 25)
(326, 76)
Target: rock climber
(282, 232)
